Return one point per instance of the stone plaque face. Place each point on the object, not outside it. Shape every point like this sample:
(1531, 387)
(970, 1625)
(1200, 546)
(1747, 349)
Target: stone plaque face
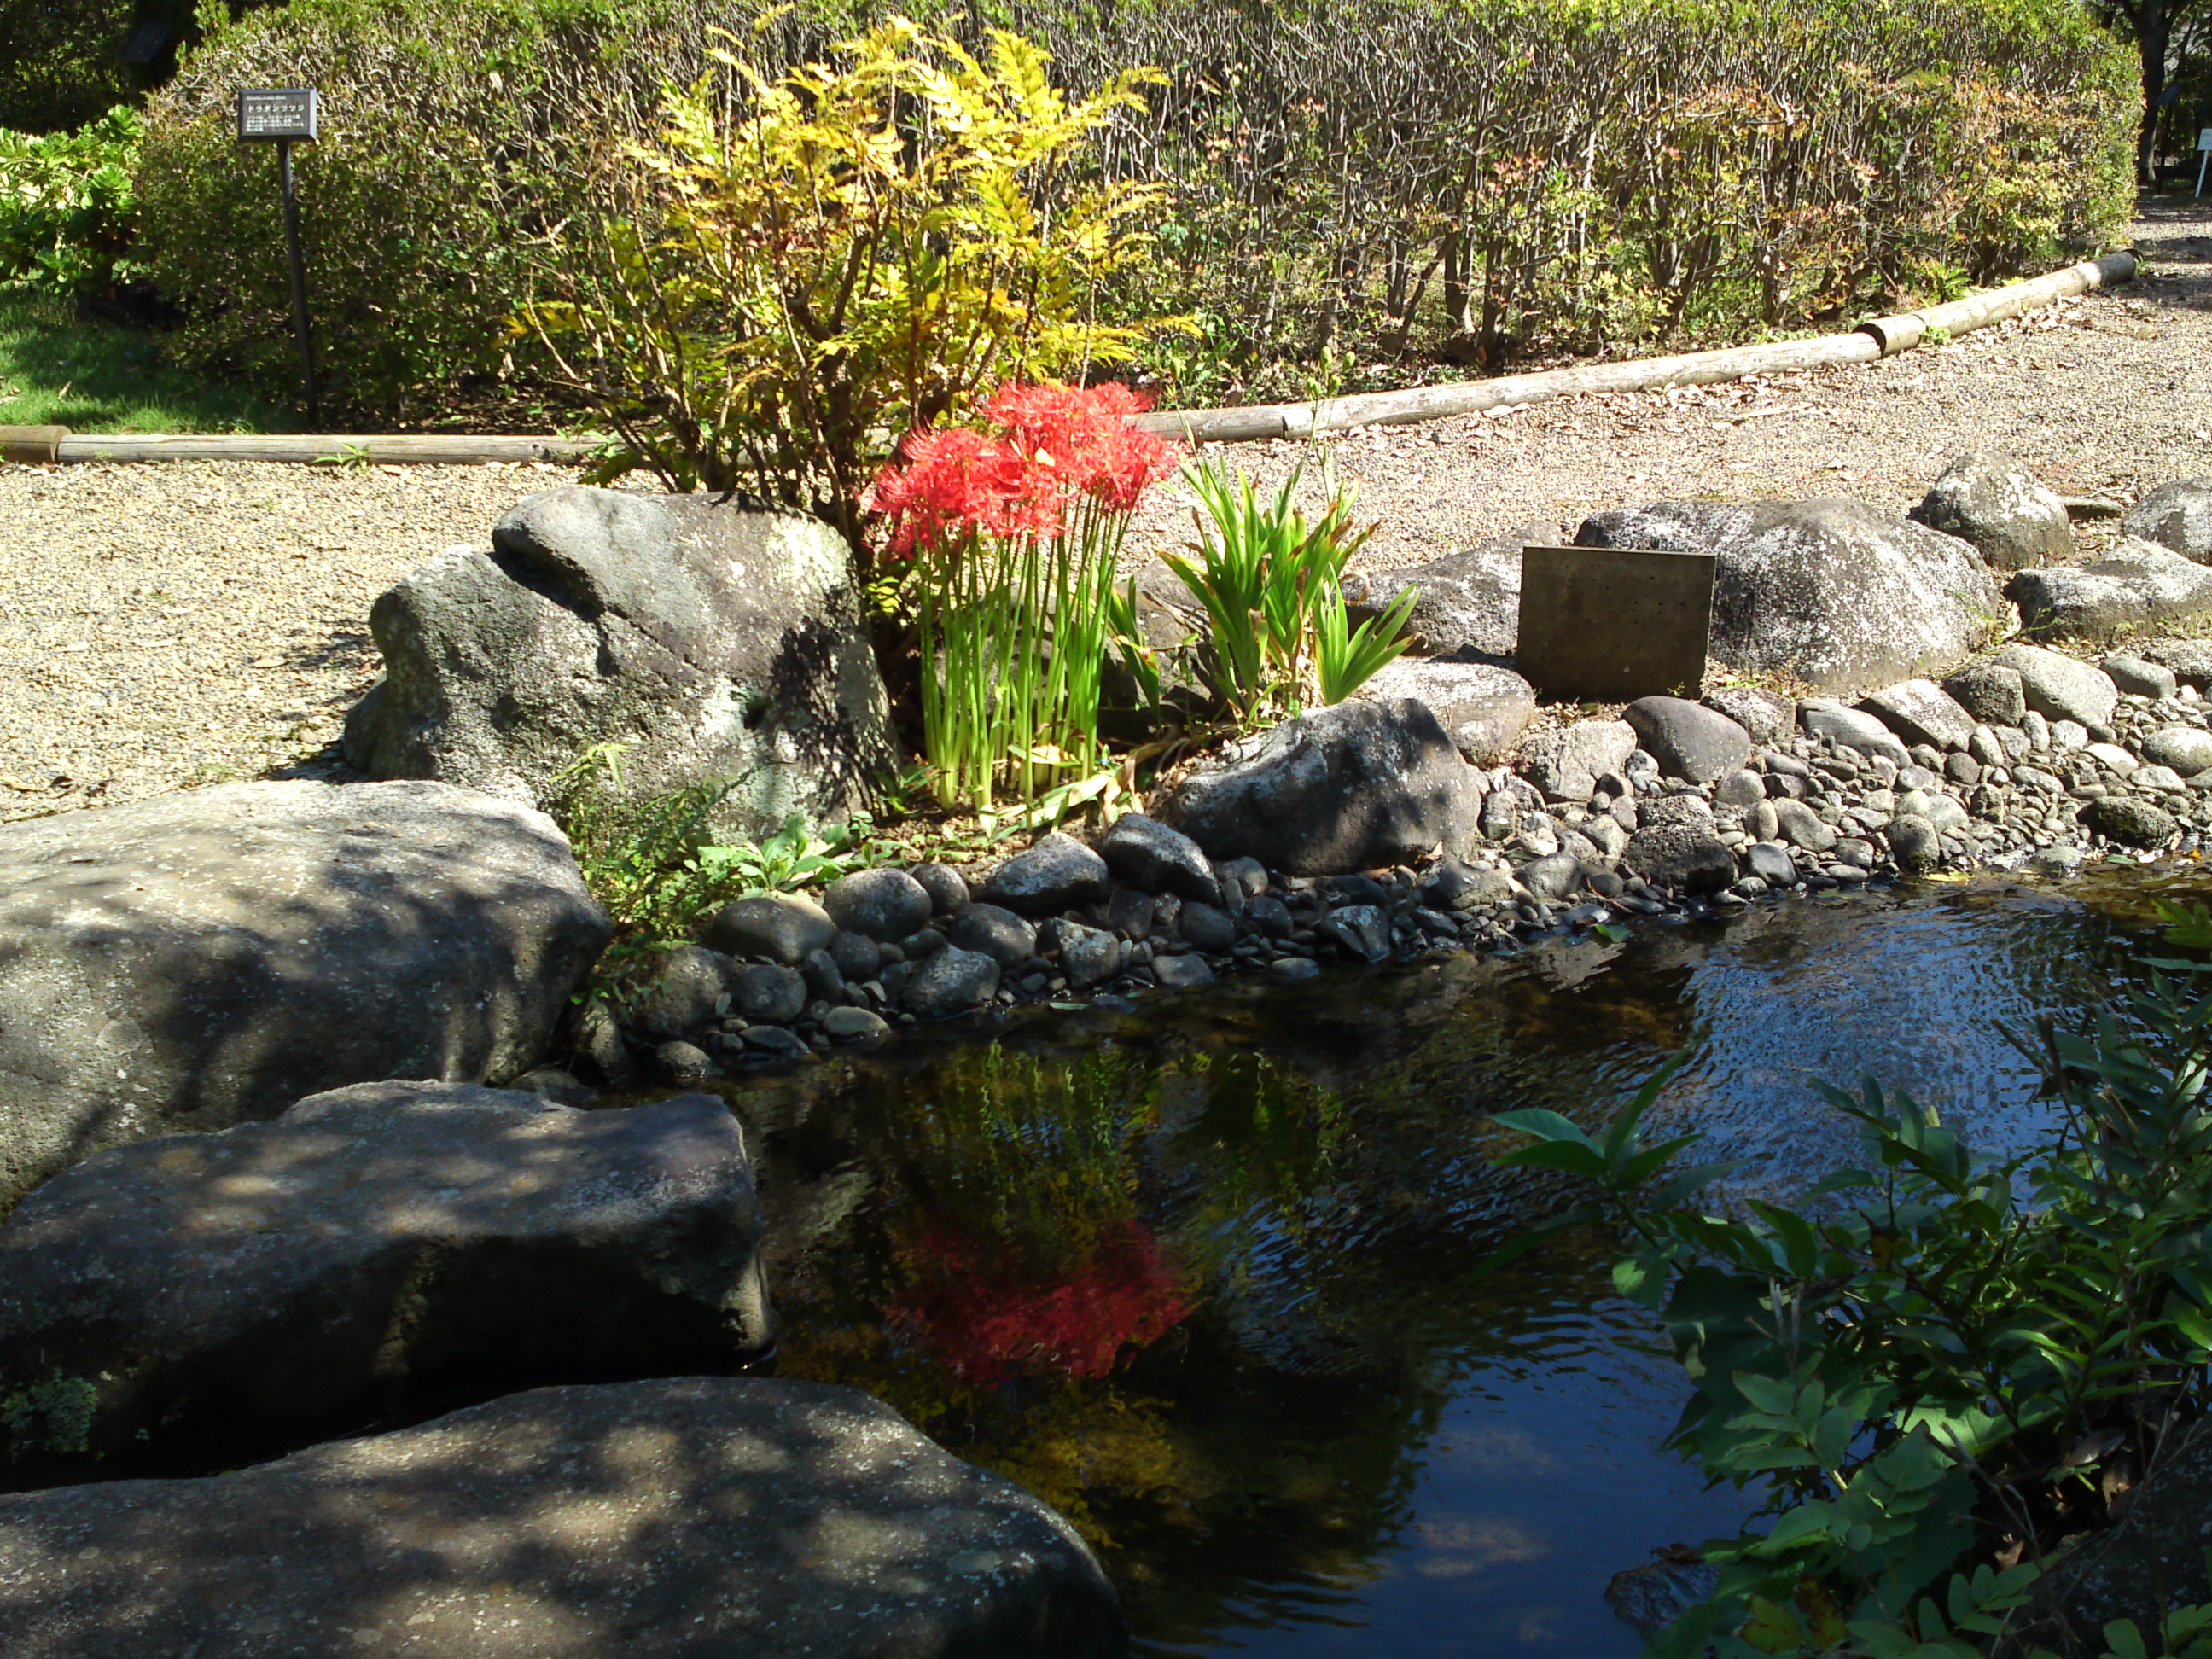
(1609, 624)
(277, 113)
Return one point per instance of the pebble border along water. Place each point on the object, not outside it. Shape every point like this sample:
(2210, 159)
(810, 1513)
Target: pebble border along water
(2031, 759)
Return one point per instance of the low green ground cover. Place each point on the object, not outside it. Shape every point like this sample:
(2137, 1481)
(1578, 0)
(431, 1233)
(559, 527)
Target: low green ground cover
(59, 366)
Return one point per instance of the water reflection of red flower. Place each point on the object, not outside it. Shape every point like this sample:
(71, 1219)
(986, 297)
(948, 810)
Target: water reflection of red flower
(988, 1321)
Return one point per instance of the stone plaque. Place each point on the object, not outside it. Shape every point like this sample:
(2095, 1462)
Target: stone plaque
(286, 113)
(1610, 625)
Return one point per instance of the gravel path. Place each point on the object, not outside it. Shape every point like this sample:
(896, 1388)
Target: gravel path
(165, 626)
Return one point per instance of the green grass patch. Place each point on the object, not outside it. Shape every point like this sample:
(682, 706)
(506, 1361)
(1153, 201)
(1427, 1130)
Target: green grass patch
(59, 367)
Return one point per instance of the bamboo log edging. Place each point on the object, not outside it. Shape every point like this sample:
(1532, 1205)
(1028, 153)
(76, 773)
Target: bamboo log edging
(336, 448)
(1881, 337)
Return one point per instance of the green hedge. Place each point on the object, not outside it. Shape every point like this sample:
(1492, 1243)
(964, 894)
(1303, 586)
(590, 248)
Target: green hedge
(1356, 183)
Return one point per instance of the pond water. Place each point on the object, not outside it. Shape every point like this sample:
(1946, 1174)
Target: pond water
(1204, 1275)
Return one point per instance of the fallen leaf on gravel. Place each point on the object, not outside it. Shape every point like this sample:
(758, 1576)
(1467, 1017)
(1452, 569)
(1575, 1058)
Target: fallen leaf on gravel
(266, 662)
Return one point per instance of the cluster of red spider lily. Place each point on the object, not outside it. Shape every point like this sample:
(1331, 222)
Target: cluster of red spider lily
(988, 1322)
(1046, 455)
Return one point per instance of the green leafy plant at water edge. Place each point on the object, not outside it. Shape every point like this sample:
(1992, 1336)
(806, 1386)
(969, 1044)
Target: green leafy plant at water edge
(1272, 587)
(1944, 1364)
(651, 865)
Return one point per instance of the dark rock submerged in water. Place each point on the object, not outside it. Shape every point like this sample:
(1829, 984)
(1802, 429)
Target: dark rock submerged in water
(1837, 592)
(276, 1283)
(715, 640)
(206, 958)
(1358, 786)
(696, 1518)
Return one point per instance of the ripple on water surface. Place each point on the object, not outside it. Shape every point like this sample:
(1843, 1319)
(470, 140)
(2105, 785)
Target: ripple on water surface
(1204, 1276)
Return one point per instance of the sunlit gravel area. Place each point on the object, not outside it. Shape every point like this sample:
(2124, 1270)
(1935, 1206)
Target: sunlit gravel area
(172, 625)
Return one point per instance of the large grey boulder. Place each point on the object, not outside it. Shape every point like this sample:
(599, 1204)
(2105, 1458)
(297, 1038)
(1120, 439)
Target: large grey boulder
(695, 1518)
(716, 640)
(245, 1292)
(2013, 518)
(1484, 707)
(1354, 787)
(1468, 603)
(2138, 585)
(1689, 740)
(202, 959)
(1837, 593)
(2178, 516)
(2060, 687)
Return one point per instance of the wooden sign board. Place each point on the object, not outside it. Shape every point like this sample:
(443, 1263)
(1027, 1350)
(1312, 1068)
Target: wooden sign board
(1610, 625)
(287, 113)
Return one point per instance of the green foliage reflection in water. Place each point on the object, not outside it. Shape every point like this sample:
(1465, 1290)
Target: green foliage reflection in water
(1026, 1271)
(1944, 1364)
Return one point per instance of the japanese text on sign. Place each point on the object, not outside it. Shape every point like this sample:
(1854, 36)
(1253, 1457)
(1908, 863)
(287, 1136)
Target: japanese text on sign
(283, 112)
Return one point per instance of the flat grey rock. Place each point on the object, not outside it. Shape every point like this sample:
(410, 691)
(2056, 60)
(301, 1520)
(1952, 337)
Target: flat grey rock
(2138, 585)
(952, 981)
(696, 1518)
(1088, 956)
(1837, 593)
(2186, 749)
(2060, 687)
(1468, 603)
(884, 904)
(1180, 972)
(2177, 515)
(1762, 714)
(1801, 827)
(715, 640)
(2131, 822)
(995, 932)
(1359, 930)
(1916, 844)
(1058, 874)
(1851, 728)
(1564, 763)
(2138, 678)
(1154, 859)
(1356, 786)
(1484, 707)
(1681, 856)
(270, 1285)
(1992, 694)
(1689, 740)
(782, 926)
(1921, 711)
(2009, 516)
(2189, 660)
(688, 989)
(207, 958)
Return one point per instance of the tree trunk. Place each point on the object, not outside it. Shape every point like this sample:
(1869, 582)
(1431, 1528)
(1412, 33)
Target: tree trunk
(2154, 21)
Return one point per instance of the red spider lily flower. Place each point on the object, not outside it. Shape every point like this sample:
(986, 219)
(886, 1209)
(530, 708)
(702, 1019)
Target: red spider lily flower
(988, 1321)
(1051, 448)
